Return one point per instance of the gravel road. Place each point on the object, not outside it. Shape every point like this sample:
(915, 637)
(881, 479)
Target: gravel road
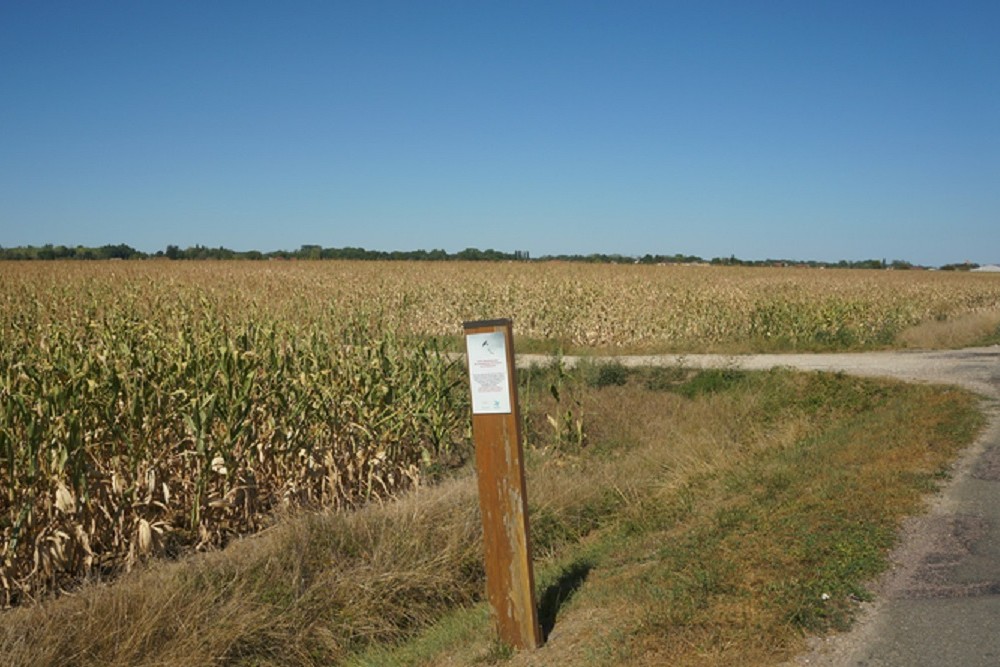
(939, 604)
(977, 369)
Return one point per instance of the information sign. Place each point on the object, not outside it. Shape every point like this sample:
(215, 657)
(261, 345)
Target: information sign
(488, 374)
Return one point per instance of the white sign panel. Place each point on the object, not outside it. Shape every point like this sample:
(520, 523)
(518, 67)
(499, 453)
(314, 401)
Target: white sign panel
(488, 374)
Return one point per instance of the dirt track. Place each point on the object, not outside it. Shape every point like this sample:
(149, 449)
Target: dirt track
(939, 605)
(977, 369)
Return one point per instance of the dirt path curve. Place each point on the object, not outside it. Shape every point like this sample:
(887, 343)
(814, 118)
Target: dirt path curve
(939, 605)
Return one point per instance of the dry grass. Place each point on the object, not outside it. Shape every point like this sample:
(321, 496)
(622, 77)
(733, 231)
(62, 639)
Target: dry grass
(961, 331)
(305, 592)
(667, 527)
(706, 530)
(775, 535)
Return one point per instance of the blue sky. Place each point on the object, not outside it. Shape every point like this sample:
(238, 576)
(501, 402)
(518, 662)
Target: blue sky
(798, 129)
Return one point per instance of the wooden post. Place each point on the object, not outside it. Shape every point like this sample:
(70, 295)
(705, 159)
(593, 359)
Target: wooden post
(503, 501)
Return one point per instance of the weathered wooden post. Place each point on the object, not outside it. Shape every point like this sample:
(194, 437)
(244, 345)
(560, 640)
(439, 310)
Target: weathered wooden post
(503, 501)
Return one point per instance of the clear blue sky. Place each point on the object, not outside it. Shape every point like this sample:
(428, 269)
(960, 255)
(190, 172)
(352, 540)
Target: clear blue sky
(799, 129)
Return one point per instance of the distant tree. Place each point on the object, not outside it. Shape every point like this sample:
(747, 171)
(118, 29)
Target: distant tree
(119, 251)
(310, 252)
(964, 266)
(869, 264)
(123, 251)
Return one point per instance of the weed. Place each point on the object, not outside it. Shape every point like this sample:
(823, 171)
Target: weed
(607, 374)
(665, 378)
(497, 652)
(711, 381)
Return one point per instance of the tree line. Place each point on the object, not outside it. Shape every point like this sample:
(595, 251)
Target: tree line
(316, 252)
(173, 252)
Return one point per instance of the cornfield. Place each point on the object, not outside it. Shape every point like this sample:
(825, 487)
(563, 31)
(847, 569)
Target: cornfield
(647, 308)
(141, 415)
(153, 407)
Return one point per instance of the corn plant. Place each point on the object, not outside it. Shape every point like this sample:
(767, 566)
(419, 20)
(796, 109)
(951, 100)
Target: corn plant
(137, 421)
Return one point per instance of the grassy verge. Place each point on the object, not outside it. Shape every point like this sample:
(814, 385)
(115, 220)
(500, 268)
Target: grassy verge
(715, 517)
(969, 330)
(696, 518)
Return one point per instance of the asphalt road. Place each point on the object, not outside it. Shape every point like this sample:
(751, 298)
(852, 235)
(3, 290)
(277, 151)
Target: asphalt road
(939, 605)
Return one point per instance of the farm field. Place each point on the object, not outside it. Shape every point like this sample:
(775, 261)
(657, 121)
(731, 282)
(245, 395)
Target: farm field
(554, 305)
(154, 408)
